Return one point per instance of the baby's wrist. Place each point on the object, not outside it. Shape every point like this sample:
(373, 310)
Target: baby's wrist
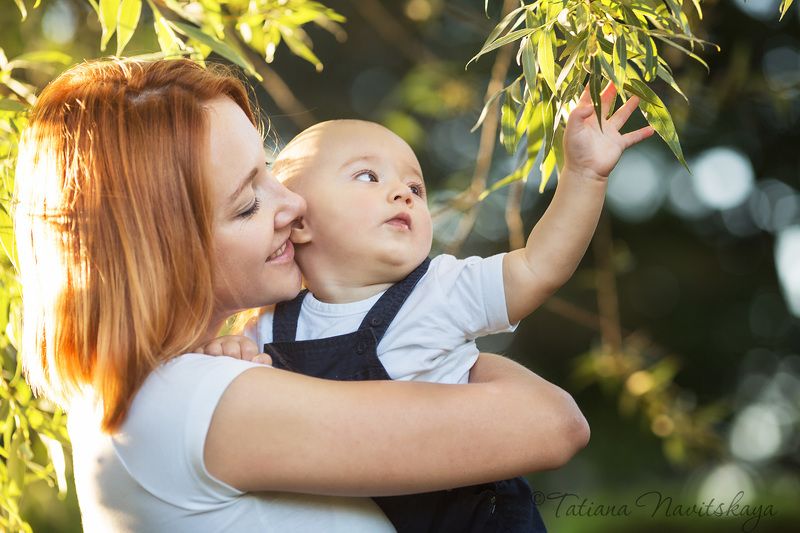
(571, 172)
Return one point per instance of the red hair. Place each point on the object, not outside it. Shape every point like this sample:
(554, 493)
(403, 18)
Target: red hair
(114, 224)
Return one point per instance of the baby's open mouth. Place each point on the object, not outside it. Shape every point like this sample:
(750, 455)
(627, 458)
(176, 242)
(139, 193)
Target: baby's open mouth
(402, 221)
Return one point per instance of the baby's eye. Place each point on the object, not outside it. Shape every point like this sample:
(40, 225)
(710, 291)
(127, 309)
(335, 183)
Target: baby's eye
(417, 189)
(366, 176)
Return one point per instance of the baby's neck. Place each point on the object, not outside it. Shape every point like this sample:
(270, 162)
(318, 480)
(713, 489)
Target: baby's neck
(334, 291)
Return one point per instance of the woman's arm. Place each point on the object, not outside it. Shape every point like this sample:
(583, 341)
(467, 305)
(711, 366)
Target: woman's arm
(277, 430)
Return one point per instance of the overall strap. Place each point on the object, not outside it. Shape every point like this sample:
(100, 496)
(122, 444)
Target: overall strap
(386, 308)
(284, 320)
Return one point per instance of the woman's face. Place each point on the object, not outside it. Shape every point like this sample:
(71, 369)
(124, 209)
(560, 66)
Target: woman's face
(253, 216)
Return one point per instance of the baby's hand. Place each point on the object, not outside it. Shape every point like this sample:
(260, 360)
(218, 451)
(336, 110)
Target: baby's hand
(594, 152)
(237, 346)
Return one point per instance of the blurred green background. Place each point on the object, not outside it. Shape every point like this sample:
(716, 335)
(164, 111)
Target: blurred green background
(679, 336)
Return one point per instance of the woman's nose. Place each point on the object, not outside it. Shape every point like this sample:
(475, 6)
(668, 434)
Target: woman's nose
(291, 207)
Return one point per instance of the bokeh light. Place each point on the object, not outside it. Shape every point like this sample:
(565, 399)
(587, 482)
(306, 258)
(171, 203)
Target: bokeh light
(756, 433)
(682, 199)
(59, 22)
(787, 261)
(723, 177)
(636, 187)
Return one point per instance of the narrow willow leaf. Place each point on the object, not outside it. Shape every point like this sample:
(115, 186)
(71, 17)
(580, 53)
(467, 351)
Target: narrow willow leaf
(128, 19)
(685, 51)
(658, 117)
(698, 9)
(485, 109)
(109, 9)
(650, 63)
(546, 59)
(217, 46)
(548, 118)
(568, 66)
(14, 106)
(301, 49)
(595, 86)
(41, 56)
(558, 148)
(529, 64)
(520, 173)
(22, 10)
(620, 60)
(546, 168)
(665, 75)
(508, 124)
(534, 131)
(643, 95)
(524, 118)
(168, 41)
(507, 38)
(785, 4)
(504, 24)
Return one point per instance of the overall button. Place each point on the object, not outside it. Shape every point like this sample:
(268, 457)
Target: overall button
(375, 321)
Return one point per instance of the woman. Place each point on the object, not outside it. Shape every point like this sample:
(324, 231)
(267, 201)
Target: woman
(146, 217)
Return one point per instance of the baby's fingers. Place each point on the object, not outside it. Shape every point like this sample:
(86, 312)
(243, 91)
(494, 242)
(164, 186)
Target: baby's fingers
(212, 348)
(262, 358)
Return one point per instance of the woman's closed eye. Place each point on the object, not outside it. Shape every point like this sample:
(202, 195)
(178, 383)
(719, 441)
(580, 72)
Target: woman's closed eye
(250, 211)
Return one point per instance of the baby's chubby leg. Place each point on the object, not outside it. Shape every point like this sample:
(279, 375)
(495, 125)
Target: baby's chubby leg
(237, 346)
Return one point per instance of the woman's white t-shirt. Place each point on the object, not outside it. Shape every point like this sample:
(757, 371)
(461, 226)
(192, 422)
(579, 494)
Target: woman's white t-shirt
(150, 475)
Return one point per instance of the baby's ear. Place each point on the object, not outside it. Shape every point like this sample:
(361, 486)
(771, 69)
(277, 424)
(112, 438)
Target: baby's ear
(301, 233)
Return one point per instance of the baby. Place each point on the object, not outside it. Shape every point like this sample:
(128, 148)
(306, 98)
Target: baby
(376, 307)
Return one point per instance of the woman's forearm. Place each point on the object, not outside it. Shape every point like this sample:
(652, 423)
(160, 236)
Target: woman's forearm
(435, 436)
(569, 425)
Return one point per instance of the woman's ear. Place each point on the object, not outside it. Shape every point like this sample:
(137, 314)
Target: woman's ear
(301, 233)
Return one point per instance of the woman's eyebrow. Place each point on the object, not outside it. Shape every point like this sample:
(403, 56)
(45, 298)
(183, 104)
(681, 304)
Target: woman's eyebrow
(243, 185)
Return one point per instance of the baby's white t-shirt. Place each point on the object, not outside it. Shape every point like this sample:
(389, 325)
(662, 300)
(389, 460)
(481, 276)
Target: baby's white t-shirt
(150, 475)
(432, 337)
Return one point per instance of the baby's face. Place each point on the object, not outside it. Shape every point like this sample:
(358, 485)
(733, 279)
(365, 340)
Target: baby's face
(366, 198)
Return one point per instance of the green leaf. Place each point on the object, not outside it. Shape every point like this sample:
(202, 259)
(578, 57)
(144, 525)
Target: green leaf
(507, 38)
(22, 10)
(41, 56)
(649, 57)
(665, 75)
(299, 48)
(217, 46)
(529, 66)
(504, 24)
(785, 4)
(546, 59)
(109, 9)
(12, 105)
(620, 60)
(658, 117)
(128, 19)
(485, 109)
(595, 85)
(508, 123)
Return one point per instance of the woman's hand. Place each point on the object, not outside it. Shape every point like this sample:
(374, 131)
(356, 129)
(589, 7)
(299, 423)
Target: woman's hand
(590, 151)
(236, 346)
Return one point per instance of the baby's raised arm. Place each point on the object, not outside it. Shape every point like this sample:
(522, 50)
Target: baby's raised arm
(371, 438)
(560, 238)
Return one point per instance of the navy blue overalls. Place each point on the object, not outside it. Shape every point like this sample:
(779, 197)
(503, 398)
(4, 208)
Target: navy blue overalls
(499, 506)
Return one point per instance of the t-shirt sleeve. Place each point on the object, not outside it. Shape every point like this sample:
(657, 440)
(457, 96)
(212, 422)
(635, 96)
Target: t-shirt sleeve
(162, 441)
(473, 293)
